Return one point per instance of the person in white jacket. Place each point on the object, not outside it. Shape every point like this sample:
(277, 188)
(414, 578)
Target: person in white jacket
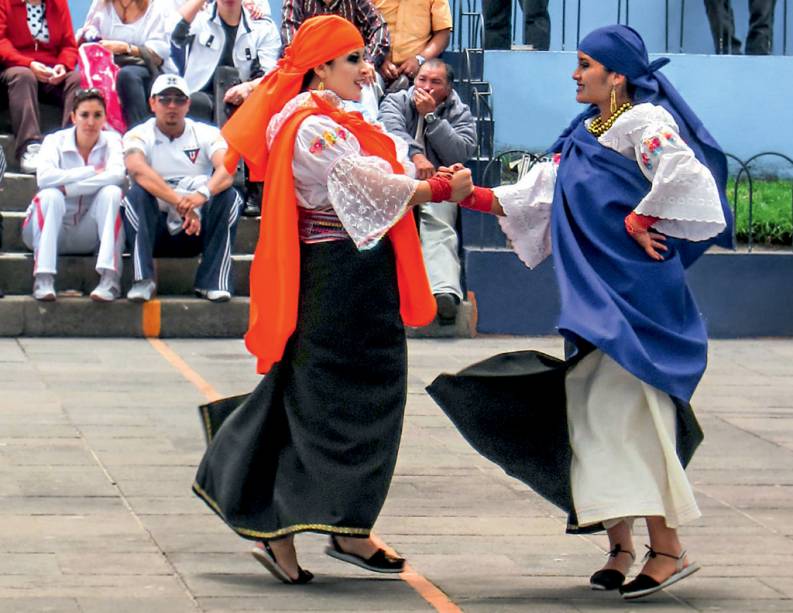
(222, 53)
(77, 210)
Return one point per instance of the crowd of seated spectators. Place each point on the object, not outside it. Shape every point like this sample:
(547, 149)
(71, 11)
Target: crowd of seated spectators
(143, 88)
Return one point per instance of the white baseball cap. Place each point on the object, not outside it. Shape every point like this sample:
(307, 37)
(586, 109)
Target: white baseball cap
(169, 81)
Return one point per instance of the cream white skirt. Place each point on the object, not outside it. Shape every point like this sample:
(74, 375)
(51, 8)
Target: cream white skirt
(622, 432)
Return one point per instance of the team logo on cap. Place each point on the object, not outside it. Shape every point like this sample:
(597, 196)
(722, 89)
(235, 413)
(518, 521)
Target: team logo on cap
(192, 154)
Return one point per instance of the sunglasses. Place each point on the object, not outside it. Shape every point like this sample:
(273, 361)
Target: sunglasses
(170, 99)
(91, 92)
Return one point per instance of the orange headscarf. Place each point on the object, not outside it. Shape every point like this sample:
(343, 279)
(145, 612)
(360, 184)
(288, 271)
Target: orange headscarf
(275, 272)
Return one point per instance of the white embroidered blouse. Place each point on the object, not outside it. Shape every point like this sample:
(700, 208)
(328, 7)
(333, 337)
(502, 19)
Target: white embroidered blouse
(683, 193)
(333, 172)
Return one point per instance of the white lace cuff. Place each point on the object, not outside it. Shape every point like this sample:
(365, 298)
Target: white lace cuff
(368, 197)
(527, 213)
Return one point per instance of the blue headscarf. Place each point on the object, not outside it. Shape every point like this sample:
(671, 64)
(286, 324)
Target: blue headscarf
(621, 49)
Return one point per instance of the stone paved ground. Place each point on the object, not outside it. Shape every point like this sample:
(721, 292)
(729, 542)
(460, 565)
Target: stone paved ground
(99, 440)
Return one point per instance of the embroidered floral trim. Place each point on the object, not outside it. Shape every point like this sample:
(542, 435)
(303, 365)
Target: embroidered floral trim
(328, 139)
(302, 100)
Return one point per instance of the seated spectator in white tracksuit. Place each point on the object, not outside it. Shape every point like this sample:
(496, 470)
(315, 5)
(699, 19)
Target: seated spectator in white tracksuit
(182, 203)
(77, 210)
(223, 36)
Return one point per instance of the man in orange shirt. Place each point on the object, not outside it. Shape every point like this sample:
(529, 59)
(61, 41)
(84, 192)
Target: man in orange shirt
(420, 30)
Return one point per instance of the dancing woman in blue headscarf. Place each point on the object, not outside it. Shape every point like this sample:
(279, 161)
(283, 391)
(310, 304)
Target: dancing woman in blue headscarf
(635, 193)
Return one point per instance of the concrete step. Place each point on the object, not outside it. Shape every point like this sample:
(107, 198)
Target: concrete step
(247, 233)
(16, 191)
(174, 275)
(165, 317)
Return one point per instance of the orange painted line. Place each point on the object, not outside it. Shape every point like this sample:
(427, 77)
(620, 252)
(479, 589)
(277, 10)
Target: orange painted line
(420, 584)
(188, 373)
(151, 318)
(423, 586)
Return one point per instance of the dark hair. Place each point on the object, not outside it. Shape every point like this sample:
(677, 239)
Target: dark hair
(437, 62)
(307, 80)
(309, 76)
(91, 93)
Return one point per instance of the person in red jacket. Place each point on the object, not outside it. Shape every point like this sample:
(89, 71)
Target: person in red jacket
(38, 54)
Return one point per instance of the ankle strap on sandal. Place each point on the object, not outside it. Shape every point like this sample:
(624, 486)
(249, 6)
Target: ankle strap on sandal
(617, 549)
(652, 553)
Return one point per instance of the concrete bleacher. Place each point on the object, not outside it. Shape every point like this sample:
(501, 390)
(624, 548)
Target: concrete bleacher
(175, 313)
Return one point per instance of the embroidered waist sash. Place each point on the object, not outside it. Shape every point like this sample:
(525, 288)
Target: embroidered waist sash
(320, 226)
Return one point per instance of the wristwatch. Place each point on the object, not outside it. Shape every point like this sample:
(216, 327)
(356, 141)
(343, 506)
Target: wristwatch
(204, 191)
(429, 118)
(420, 59)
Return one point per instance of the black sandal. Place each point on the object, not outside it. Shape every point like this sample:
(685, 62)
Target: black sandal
(265, 556)
(610, 578)
(644, 585)
(379, 562)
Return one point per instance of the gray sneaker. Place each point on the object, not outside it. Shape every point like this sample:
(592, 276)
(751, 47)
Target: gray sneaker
(214, 295)
(108, 289)
(44, 287)
(142, 291)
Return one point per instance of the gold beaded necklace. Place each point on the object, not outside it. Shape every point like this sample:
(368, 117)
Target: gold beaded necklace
(598, 126)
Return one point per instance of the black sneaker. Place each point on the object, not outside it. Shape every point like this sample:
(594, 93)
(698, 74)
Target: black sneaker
(253, 200)
(448, 305)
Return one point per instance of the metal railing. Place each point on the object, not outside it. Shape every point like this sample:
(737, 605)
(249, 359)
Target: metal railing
(511, 165)
(469, 23)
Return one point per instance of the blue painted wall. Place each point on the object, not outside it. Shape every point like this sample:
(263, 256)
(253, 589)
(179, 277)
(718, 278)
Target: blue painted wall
(743, 100)
(648, 17)
(739, 295)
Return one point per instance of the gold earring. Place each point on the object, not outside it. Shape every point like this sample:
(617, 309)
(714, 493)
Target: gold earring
(321, 85)
(613, 99)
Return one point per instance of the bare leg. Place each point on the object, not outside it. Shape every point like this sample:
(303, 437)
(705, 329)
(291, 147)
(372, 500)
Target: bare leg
(620, 534)
(664, 540)
(285, 555)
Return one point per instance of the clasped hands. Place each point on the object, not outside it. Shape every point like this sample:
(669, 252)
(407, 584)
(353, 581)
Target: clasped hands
(45, 74)
(186, 207)
(460, 178)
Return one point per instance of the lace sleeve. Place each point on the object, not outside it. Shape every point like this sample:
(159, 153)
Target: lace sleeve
(527, 213)
(683, 195)
(367, 197)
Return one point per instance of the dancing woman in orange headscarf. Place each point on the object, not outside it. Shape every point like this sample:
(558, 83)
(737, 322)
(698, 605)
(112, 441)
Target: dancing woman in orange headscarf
(336, 275)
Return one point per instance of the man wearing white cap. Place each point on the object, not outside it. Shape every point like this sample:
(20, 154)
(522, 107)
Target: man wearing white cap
(182, 203)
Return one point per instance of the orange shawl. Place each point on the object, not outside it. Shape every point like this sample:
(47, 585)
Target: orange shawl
(275, 272)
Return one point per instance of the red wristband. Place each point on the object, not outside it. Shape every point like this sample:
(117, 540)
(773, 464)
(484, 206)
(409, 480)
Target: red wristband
(635, 223)
(481, 199)
(441, 188)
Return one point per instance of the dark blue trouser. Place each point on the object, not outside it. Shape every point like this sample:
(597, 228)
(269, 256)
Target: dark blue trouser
(148, 235)
(133, 85)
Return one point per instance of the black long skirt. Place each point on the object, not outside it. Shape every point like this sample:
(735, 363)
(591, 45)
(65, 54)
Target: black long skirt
(313, 447)
(512, 408)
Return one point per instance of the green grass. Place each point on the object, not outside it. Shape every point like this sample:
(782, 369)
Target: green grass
(772, 207)
(772, 211)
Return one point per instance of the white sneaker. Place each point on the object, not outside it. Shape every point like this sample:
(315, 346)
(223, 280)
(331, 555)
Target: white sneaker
(142, 291)
(44, 287)
(29, 160)
(108, 289)
(214, 295)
